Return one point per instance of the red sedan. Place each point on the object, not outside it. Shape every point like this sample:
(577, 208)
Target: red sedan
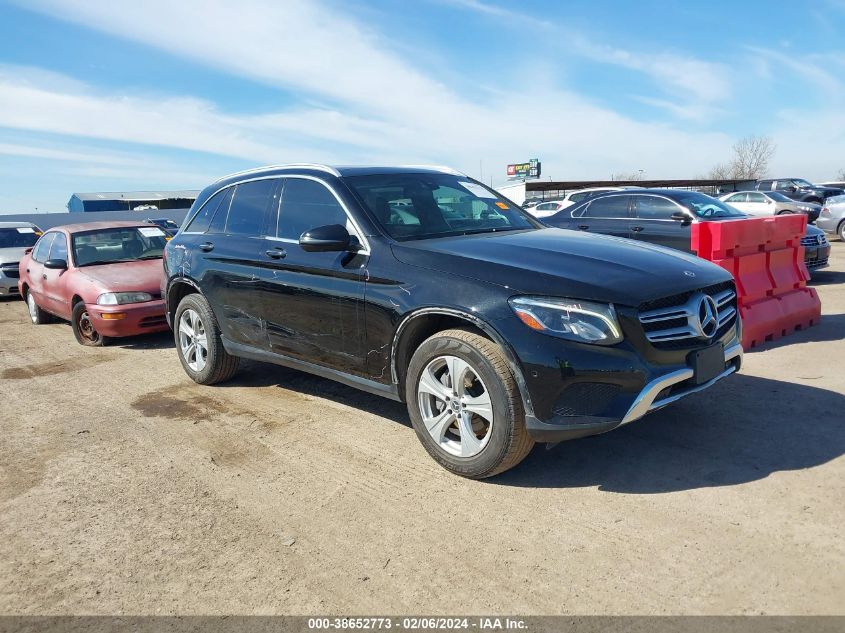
(103, 277)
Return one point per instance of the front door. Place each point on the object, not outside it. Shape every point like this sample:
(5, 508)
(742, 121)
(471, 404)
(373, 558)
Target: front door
(35, 270)
(313, 302)
(54, 281)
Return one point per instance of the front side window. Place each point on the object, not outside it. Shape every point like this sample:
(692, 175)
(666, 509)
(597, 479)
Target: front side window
(42, 249)
(18, 237)
(59, 248)
(737, 197)
(117, 245)
(783, 185)
(608, 207)
(703, 206)
(307, 204)
(251, 202)
(417, 206)
(654, 208)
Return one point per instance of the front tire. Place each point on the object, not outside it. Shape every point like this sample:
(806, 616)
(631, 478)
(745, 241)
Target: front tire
(465, 405)
(199, 344)
(83, 328)
(36, 314)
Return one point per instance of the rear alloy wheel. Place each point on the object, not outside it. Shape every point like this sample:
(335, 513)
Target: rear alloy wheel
(199, 344)
(465, 406)
(36, 314)
(83, 328)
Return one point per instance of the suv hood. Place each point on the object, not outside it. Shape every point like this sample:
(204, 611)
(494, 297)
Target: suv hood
(11, 255)
(828, 191)
(138, 276)
(566, 263)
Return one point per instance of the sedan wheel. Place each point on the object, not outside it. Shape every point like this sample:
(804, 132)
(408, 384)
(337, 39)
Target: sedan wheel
(193, 341)
(455, 406)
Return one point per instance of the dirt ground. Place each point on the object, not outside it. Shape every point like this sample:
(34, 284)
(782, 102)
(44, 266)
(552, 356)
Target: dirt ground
(127, 489)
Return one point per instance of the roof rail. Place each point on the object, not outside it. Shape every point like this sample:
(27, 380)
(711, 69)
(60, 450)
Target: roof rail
(442, 168)
(325, 168)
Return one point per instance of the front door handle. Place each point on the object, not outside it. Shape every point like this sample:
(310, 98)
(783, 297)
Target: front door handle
(636, 229)
(276, 253)
(44, 276)
(207, 246)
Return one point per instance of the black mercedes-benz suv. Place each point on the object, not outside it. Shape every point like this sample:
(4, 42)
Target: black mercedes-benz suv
(423, 285)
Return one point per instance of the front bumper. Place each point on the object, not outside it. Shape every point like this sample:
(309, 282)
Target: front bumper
(8, 285)
(816, 257)
(129, 319)
(577, 390)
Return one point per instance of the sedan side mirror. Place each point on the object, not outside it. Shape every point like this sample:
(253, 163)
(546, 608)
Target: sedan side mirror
(683, 218)
(324, 239)
(56, 264)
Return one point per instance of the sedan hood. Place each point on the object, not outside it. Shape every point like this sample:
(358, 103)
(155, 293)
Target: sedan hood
(566, 263)
(11, 255)
(138, 276)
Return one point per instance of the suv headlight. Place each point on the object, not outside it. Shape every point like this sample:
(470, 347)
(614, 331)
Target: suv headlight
(572, 319)
(119, 298)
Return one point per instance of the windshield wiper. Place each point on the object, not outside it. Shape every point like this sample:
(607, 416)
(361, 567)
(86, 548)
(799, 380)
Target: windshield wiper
(151, 256)
(98, 262)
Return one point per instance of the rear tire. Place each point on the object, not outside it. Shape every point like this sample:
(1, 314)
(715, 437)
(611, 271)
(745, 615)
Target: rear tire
(36, 314)
(483, 400)
(83, 328)
(841, 231)
(199, 344)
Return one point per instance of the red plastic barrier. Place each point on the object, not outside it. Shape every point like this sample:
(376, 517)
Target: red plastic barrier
(766, 258)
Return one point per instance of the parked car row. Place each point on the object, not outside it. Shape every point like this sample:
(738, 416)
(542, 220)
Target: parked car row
(416, 284)
(664, 217)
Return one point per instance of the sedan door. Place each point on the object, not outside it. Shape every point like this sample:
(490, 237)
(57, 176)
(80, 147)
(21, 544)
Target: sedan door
(758, 204)
(654, 222)
(35, 272)
(54, 281)
(313, 301)
(609, 215)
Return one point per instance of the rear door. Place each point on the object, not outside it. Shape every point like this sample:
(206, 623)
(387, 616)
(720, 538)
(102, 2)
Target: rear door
(228, 255)
(740, 200)
(609, 215)
(35, 270)
(654, 223)
(313, 302)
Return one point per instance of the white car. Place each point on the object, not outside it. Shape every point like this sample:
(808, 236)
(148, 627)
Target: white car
(547, 209)
(770, 203)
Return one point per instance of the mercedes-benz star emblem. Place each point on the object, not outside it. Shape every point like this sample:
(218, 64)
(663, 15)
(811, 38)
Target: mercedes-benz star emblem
(708, 316)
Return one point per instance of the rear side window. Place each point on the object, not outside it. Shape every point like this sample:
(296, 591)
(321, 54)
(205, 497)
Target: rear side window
(307, 204)
(756, 197)
(249, 206)
(202, 220)
(610, 207)
(654, 208)
(59, 248)
(42, 248)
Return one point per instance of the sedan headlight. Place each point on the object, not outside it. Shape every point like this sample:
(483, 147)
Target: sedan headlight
(572, 319)
(119, 298)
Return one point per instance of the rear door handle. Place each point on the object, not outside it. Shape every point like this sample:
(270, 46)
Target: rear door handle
(207, 246)
(276, 253)
(636, 229)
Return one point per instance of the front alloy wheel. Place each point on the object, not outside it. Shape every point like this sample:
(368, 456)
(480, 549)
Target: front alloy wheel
(455, 406)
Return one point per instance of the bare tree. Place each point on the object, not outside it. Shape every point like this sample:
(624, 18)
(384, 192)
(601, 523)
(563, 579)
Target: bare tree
(750, 161)
(634, 175)
(841, 175)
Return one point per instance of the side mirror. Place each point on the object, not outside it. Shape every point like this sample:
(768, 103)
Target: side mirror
(324, 239)
(792, 189)
(56, 264)
(683, 218)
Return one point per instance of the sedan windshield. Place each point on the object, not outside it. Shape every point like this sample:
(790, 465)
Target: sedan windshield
(124, 244)
(777, 195)
(703, 206)
(22, 237)
(417, 206)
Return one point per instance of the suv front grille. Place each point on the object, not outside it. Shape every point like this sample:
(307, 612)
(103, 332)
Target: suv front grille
(673, 322)
(813, 240)
(10, 270)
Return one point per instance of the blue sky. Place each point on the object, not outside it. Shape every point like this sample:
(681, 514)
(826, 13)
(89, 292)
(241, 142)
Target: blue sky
(108, 95)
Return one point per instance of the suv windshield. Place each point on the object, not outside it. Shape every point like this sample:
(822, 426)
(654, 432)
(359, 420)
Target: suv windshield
(18, 237)
(417, 206)
(125, 244)
(703, 206)
(800, 182)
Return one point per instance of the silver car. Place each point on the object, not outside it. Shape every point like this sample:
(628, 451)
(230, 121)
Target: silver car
(832, 218)
(15, 238)
(770, 203)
